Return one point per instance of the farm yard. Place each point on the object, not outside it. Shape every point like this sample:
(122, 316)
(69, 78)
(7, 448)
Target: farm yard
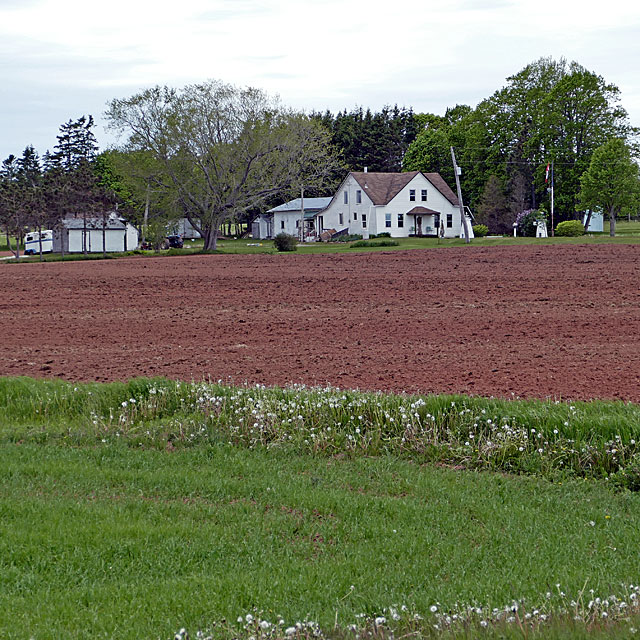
(188, 454)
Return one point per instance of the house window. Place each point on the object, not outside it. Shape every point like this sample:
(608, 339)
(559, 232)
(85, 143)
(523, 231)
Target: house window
(341, 216)
(423, 195)
(346, 197)
(282, 224)
(401, 220)
(358, 196)
(412, 195)
(355, 215)
(387, 220)
(449, 220)
(297, 224)
(436, 221)
(364, 220)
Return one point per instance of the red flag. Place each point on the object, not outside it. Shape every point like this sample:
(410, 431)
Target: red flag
(546, 175)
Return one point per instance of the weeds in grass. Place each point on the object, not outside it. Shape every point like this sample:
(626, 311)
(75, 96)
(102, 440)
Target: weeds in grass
(556, 611)
(587, 439)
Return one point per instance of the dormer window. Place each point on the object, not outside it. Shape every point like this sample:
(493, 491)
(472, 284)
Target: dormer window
(412, 195)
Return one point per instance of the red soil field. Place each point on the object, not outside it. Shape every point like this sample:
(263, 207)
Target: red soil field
(532, 321)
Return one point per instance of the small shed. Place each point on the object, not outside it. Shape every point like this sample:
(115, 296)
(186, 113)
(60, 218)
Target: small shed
(77, 234)
(185, 229)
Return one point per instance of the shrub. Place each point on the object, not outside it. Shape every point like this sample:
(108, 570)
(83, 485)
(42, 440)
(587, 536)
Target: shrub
(346, 237)
(627, 477)
(526, 219)
(374, 243)
(480, 230)
(285, 242)
(384, 234)
(570, 228)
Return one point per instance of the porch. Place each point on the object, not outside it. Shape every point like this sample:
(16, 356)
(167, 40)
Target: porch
(423, 222)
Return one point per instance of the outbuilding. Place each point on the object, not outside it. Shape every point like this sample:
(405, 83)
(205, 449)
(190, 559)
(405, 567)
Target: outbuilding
(95, 235)
(286, 219)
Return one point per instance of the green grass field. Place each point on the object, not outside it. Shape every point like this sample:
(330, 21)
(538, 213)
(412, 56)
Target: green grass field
(134, 510)
(627, 233)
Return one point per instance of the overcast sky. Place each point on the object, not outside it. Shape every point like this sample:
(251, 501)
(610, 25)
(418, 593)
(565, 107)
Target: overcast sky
(61, 59)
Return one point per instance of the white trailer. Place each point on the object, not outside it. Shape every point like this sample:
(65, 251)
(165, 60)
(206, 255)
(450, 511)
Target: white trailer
(32, 242)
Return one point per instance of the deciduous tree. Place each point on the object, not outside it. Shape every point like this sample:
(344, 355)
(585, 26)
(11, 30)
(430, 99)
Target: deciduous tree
(222, 149)
(612, 182)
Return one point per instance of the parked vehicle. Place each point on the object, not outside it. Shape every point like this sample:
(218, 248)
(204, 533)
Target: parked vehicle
(173, 242)
(32, 242)
(169, 242)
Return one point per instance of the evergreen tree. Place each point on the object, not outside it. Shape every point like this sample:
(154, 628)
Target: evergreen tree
(76, 143)
(493, 210)
(377, 140)
(14, 203)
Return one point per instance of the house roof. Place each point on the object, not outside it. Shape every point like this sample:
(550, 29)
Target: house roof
(438, 182)
(310, 205)
(383, 187)
(94, 223)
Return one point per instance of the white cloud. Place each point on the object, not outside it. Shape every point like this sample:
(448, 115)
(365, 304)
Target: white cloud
(315, 54)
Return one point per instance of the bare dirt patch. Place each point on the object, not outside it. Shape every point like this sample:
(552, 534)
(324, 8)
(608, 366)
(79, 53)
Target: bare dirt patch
(559, 321)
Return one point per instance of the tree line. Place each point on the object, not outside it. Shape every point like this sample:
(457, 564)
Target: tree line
(39, 193)
(550, 113)
(213, 152)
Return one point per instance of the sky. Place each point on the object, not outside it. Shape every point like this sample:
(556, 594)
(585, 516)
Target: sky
(60, 59)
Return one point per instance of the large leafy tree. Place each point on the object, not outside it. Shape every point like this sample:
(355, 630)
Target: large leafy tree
(551, 110)
(611, 184)
(431, 150)
(223, 150)
(137, 180)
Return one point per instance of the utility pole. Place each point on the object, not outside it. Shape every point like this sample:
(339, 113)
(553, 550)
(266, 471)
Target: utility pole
(145, 224)
(302, 214)
(457, 171)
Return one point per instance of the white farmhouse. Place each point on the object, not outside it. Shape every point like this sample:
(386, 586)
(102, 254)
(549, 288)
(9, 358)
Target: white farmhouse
(404, 204)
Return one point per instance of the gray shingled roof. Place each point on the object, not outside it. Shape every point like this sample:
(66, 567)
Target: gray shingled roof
(94, 223)
(310, 204)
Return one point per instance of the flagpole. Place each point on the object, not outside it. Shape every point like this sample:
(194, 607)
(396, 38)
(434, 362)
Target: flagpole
(553, 230)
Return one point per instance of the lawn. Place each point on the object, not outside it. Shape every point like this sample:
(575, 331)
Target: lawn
(627, 233)
(134, 510)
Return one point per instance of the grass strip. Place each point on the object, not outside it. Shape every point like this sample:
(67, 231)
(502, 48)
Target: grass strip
(547, 438)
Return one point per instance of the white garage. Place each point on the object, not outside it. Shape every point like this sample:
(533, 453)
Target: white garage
(76, 235)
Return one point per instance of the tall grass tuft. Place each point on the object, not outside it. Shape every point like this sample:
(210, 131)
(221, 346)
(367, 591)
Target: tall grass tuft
(586, 439)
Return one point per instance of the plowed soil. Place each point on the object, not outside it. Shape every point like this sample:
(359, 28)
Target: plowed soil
(552, 321)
